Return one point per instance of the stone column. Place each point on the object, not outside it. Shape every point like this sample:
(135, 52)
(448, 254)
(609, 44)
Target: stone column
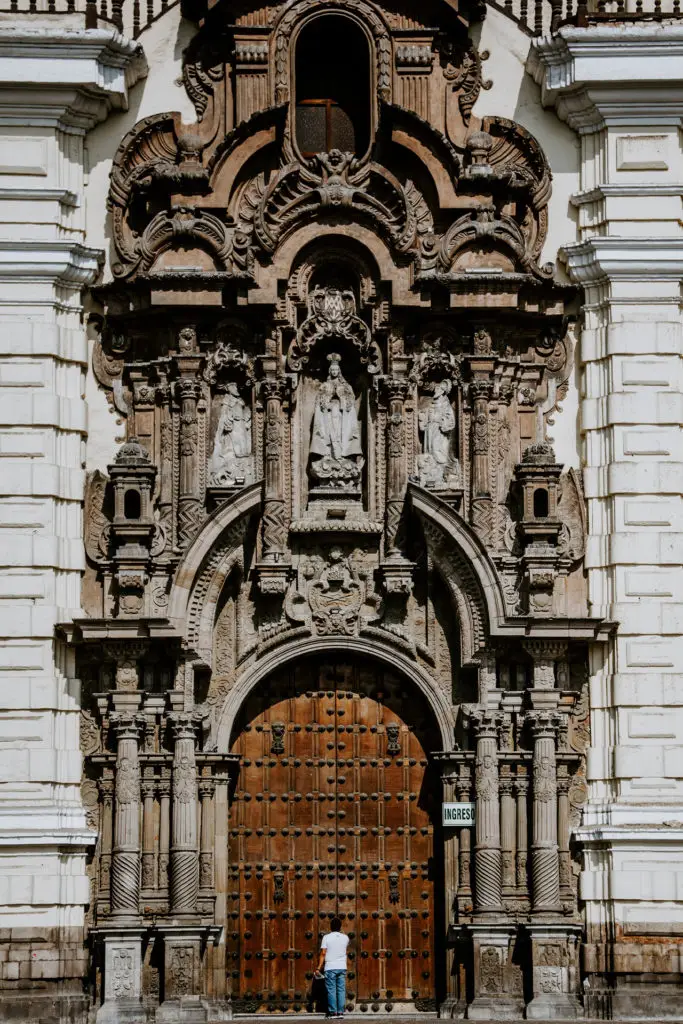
(464, 790)
(563, 783)
(164, 827)
(184, 852)
(507, 832)
(148, 858)
(544, 850)
(487, 861)
(125, 874)
(188, 392)
(394, 393)
(106, 787)
(206, 792)
(521, 795)
(452, 1005)
(480, 393)
(273, 393)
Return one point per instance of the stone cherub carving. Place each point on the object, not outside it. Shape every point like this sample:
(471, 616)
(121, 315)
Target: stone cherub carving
(231, 460)
(437, 466)
(335, 439)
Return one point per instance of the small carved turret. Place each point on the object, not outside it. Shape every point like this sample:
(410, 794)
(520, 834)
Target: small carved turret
(538, 474)
(132, 475)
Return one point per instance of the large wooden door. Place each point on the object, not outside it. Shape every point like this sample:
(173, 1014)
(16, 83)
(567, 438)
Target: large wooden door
(333, 813)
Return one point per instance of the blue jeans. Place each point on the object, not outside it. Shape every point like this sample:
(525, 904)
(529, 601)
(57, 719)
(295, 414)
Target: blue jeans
(335, 983)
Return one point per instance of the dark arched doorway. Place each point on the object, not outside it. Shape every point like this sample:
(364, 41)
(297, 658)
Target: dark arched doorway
(334, 812)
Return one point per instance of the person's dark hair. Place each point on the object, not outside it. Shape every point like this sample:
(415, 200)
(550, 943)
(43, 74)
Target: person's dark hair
(335, 924)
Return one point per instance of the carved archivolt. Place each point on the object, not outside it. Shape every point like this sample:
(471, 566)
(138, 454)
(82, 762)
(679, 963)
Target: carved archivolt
(296, 14)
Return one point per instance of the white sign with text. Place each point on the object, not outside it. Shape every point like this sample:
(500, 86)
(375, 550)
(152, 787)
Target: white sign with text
(457, 815)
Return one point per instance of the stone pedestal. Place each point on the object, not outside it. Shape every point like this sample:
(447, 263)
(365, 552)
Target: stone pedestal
(182, 997)
(122, 978)
(498, 993)
(555, 971)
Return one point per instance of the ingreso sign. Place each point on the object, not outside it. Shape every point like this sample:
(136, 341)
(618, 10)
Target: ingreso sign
(457, 814)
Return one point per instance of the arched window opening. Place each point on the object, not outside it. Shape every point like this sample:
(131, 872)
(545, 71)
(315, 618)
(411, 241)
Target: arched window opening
(332, 87)
(540, 503)
(131, 505)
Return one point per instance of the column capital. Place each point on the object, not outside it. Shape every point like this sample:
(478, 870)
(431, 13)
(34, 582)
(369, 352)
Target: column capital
(392, 389)
(543, 723)
(127, 725)
(485, 724)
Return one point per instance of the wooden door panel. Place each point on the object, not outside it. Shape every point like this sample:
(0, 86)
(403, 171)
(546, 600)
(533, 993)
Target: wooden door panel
(330, 816)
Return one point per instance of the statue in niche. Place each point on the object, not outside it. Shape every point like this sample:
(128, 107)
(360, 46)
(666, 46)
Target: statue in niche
(335, 439)
(437, 467)
(231, 461)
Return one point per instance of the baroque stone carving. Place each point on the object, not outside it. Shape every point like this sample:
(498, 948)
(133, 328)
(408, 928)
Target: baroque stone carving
(336, 451)
(231, 460)
(437, 466)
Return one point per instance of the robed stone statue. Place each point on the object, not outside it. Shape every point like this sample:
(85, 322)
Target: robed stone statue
(231, 460)
(438, 467)
(335, 439)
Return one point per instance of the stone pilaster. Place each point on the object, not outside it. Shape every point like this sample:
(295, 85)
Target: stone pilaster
(521, 796)
(164, 827)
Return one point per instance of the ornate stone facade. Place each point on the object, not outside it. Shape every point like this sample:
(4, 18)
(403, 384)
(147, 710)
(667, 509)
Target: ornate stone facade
(335, 571)
(336, 369)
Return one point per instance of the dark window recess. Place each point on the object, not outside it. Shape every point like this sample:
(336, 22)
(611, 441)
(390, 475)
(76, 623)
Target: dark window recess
(131, 505)
(540, 503)
(332, 87)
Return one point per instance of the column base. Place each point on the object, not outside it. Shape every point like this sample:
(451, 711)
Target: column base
(555, 971)
(452, 1008)
(185, 1010)
(122, 976)
(498, 989)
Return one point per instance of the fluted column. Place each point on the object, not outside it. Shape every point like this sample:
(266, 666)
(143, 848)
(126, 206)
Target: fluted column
(184, 852)
(507, 832)
(106, 787)
(563, 782)
(164, 827)
(394, 393)
(544, 850)
(521, 796)
(206, 791)
(125, 873)
(188, 391)
(487, 862)
(148, 788)
(464, 791)
(273, 394)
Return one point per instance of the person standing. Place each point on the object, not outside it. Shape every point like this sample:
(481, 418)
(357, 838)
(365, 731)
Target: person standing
(333, 960)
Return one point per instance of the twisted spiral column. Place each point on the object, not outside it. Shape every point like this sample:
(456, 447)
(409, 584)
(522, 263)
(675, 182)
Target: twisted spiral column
(184, 851)
(545, 867)
(487, 860)
(125, 869)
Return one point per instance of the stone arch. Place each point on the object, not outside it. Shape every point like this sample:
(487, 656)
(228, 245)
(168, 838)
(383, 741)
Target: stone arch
(207, 563)
(369, 648)
(366, 17)
(465, 567)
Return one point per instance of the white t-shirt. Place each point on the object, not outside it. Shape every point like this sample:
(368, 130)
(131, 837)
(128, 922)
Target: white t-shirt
(334, 944)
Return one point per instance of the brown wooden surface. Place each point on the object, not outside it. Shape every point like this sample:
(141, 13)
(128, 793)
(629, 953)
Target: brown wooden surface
(339, 822)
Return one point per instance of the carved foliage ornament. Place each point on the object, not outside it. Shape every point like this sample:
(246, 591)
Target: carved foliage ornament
(332, 314)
